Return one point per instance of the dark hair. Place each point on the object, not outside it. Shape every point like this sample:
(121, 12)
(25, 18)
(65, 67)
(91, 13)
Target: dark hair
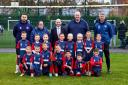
(37, 47)
(37, 35)
(23, 14)
(61, 34)
(39, 22)
(96, 50)
(79, 54)
(67, 51)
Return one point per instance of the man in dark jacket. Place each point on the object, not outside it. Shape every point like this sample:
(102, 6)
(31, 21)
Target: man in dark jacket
(22, 25)
(41, 30)
(56, 31)
(104, 28)
(122, 34)
(77, 25)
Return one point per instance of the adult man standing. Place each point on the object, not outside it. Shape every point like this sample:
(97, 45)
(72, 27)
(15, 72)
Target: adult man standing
(104, 28)
(22, 25)
(55, 32)
(78, 25)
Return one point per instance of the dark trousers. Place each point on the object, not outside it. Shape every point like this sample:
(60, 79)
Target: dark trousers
(107, 55)
(123, 43)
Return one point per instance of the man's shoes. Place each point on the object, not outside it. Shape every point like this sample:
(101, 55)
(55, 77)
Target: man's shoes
(109, 72)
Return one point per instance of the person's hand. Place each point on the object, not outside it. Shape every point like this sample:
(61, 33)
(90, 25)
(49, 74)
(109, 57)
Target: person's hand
(40, 67)
(31, 66)
(45, 65)
(89, 51)
(70, 67)
(81, 66)
(26, 67)
(18, 56)
(97, 63)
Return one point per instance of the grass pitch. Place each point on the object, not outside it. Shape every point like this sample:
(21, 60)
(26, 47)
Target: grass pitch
(119, 76)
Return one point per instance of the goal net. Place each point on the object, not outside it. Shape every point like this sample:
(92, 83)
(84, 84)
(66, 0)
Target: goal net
(12, 23)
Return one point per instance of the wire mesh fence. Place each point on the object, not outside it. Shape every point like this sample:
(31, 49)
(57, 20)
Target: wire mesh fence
(48, 13)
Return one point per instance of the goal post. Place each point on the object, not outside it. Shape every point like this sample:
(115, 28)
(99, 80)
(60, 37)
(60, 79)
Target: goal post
(10, 28)
(12, 23)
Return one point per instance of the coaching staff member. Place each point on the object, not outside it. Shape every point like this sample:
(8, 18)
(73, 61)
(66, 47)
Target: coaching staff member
(78, 25)
(55, 32)
(22, 25)
(104, 28)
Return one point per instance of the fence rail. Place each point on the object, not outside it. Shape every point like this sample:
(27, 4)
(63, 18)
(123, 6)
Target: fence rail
(71, 6)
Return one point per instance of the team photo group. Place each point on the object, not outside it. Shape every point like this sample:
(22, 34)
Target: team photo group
(62, 51)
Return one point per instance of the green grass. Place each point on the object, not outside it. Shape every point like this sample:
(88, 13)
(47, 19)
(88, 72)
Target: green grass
(7, 40)
(118, 77)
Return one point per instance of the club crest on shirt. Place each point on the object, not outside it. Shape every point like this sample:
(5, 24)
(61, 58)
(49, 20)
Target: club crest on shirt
(105, 26)
(27, 27)
(20, 44)
(98, 26)
(20, 28)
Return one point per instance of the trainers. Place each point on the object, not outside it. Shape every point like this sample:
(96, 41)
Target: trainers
(17, 69)
(16, 72)
(56, 74)
(109, 72)
(32, 75)
(22, 74)
(50, 74)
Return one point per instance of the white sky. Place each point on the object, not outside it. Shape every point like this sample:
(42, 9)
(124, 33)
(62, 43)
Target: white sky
(107, 0)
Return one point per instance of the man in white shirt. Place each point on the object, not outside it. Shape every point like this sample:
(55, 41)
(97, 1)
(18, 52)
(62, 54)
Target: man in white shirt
(56, 31)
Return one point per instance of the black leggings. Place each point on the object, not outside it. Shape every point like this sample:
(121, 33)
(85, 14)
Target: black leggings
(107, 55)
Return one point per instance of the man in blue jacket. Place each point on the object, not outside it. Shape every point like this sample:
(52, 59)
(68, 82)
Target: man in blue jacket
(40, 30)
(22, 25)
(78, 25)
(104, 28)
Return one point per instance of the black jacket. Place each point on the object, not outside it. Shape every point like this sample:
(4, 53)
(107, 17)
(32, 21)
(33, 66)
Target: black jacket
(54, 36)
(122, 31)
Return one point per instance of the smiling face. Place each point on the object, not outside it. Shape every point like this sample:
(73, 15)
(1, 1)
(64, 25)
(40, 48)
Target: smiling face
(57, 49)
(98, 37)
(45, 46)
(79, 37)
(24, 18)
(101, 17)
(40, 25)
(37, 38)
(61, 37)
(68, 54)
(88, 35)
(77, 16)
(23, 36)
(37, 49)
(58, 22)
(96, 53)
(45, 37)
(28, 50)
(70, 37)
(79, 58)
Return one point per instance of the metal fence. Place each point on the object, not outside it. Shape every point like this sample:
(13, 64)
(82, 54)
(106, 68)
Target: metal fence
(48, 13)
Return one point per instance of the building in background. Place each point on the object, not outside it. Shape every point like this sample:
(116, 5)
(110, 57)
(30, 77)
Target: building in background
(119, 10)
(67, 11)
